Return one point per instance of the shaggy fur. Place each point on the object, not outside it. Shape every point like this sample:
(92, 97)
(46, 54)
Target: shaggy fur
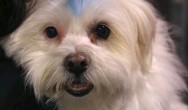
(134, 69)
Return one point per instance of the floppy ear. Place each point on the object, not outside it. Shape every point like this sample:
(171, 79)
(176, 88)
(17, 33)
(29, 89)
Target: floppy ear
(12, 13)
(146, 24)
(145, 20)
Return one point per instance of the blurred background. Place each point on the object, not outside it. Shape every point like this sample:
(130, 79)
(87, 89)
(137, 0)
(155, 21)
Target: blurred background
(176, 13)
(15, 96)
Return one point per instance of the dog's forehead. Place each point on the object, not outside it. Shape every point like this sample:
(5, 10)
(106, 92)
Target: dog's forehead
(78, 7)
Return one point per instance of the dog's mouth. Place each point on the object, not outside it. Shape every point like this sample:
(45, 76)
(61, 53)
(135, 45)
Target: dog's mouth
(78, 87)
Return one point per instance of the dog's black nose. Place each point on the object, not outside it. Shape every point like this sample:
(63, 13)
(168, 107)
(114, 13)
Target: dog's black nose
(77, 63)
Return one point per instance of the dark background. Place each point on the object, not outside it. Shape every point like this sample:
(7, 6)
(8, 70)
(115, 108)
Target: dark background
(176, 13)
(14, 95)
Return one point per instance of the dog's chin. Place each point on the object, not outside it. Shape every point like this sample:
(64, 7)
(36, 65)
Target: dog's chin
(78, 87)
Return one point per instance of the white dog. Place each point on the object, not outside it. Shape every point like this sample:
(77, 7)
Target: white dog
(98, 55)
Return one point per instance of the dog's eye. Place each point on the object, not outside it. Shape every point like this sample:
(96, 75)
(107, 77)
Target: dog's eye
(101, 31)
(51, 32)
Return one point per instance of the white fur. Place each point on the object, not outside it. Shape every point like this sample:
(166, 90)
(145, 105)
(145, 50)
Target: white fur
(134, 69)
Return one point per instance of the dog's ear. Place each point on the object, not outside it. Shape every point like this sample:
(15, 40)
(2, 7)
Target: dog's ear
(12, 13)
(145, 20)
(146, 24)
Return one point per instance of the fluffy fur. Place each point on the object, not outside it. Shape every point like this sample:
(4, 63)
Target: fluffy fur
(134, 69)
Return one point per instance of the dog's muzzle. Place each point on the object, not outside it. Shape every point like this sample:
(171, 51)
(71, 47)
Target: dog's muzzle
(77, 64)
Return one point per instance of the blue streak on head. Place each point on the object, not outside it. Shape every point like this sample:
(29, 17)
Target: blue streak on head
(79, 6)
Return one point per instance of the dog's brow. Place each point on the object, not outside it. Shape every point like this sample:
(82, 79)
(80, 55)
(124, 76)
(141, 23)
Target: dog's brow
(79, 6)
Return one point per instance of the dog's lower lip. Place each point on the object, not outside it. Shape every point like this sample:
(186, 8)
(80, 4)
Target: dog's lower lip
(78, 88)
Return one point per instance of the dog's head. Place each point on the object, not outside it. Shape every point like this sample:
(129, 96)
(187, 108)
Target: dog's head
(89, 49)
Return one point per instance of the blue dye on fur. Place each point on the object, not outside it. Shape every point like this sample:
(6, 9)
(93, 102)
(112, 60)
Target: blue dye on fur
(78, 7)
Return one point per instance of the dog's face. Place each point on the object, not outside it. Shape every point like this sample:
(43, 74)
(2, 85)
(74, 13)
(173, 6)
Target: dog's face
(85, 50)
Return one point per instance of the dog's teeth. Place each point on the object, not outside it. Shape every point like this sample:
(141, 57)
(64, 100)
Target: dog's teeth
(78, 86)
